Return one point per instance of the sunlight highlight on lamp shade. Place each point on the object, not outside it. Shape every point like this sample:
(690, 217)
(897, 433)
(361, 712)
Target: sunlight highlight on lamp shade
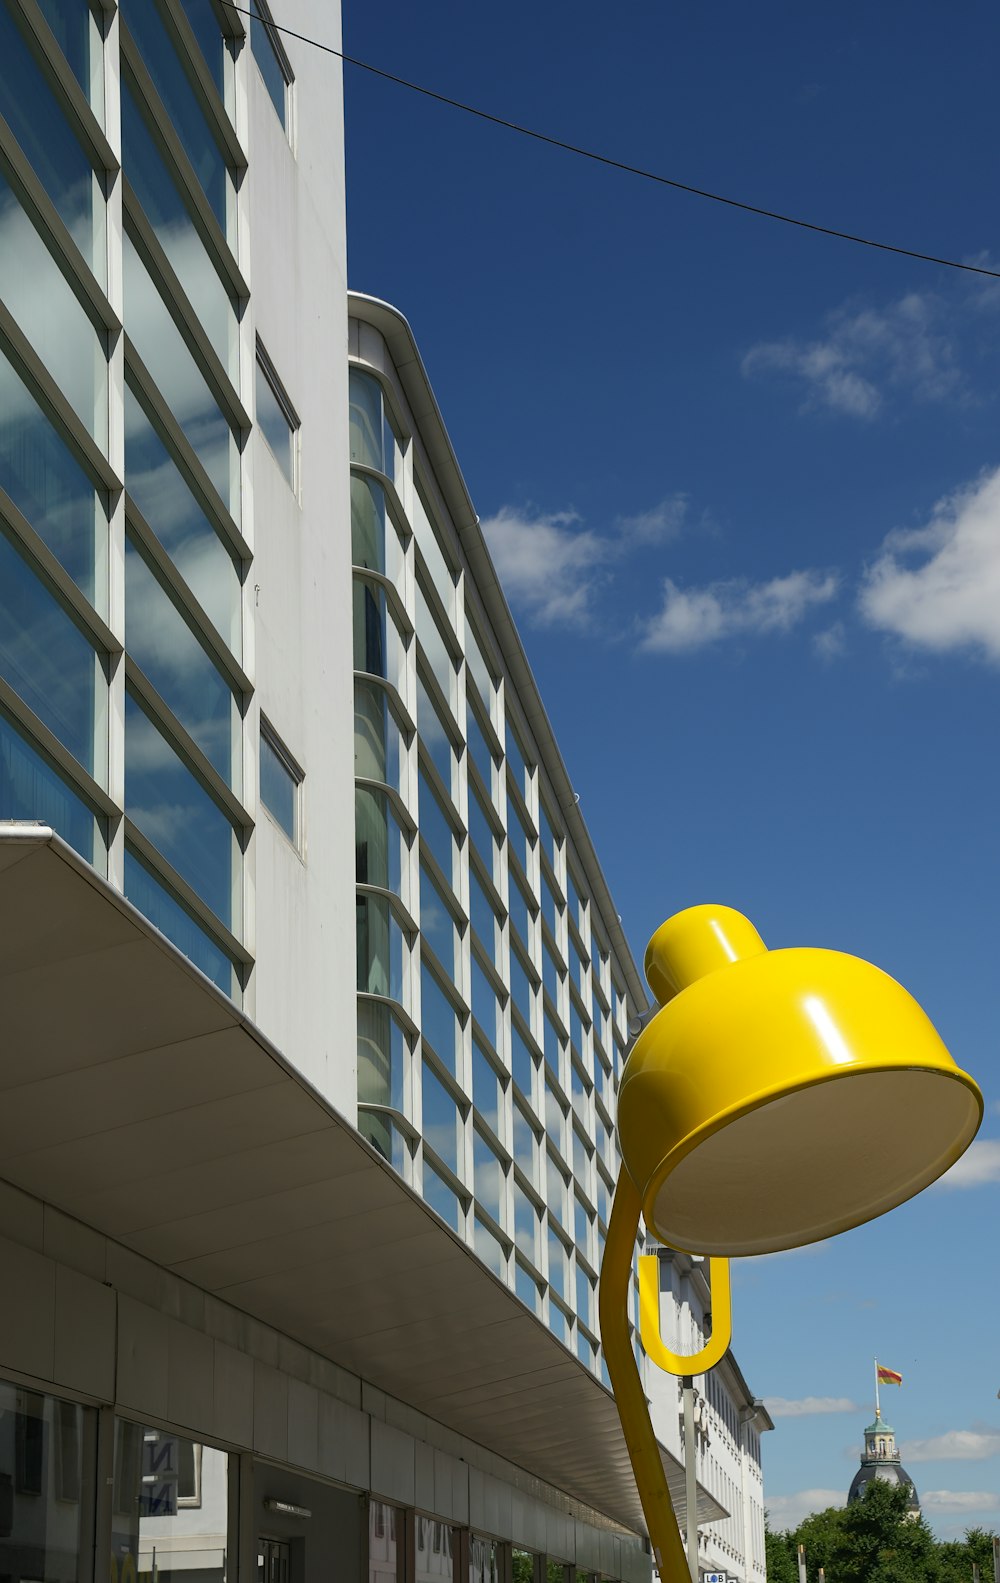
(779, 1097)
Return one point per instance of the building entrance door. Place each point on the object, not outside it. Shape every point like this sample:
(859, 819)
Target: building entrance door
(272, 1561)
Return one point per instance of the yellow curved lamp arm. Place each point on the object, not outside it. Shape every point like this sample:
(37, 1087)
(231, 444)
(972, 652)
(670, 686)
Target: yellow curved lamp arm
(649, 1320)
(644, 1453)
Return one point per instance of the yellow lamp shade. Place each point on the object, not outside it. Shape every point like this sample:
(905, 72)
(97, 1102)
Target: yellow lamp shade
(778, 1097)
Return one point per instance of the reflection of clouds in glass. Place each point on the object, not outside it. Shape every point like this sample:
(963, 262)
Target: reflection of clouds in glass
(38, 297)
(181, 383)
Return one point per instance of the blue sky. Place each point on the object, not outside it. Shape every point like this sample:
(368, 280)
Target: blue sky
(742, 484)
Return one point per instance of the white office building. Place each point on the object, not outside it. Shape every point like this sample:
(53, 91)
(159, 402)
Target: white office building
(300, 1218)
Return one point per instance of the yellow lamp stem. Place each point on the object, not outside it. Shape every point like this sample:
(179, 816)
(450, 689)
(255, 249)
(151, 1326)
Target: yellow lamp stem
(644, 1453)
(714, 1349)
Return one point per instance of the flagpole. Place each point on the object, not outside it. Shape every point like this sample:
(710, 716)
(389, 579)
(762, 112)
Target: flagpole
(878, 1408)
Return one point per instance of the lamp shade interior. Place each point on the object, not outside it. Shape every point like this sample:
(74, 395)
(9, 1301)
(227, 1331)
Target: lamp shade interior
(813, 1162)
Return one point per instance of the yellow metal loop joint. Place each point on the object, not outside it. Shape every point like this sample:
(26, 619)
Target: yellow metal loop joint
(649, 1319)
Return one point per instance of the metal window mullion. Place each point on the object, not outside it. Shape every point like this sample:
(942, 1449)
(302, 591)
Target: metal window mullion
(212, 234)
(61, 79)
(385, 483)
(184, 454)
(55, 235)
(396, 906)
(369, 575)
(193, 903)
(167, 571)
(68, 766)
(114, 589)
(186, 747)
(52, 570)
(395, 1008)
(188, 48)
(403, 815)
(178, 305)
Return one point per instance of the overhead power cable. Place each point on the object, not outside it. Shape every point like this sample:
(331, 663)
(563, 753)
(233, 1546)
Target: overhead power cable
(607, 160)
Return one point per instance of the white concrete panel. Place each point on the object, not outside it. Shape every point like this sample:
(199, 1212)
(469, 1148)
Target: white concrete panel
(303, 1425)
(588, 1548)
(489, 1504)
(344, 1442)
(84, 1334)
(143, 1358)
(70, 1242)
(270, 1412)
(423, 1479)
(560, 1539)
(528, 1521)
(451, 1487)
(392, 1470)
(137, 1276)
(232, 1395)
(190, 1378)
(27, 1311)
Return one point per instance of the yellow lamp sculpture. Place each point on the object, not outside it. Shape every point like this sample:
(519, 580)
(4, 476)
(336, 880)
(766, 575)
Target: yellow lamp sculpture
(774, 1099)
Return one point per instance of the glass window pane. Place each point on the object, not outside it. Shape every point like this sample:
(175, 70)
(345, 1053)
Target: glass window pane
(486, 1005)
(379, 744)
(162, 494)
(487, 1089)
(386, 1530)
(434, 1560)
(429, 545)
(438, 927)
(523, 1064)
(383, 949)
(558, 1263)
(279, 787)
(443, 1127)
(479, 670)
(366, 432)
(526, 1223)
(434, 735)
(275, 425)
(39, 124)
(550, 843)
(381, 846)
(517, 762)
(145, 891)
(435, 649)
(383, 1050)
(521, 843)
(49, 487)
(78, 35)
(494, 1256)
(440, 1025)
(39, 298)
(522, 989)
(489, 1177)
(520, 917)
(262, 42)
(435, 828)
(166, 648)
(378, 643)
(158, 1476)
(177, 815)
(180, 381)
(484, 918)
(204, 21)
(527, 1289)
(482, 836)
(384, 1135)
(375, 541)
(525, 1140)
(480, 752)
(48, 1454)
(444, 1201)
(49, 662)
(31, 788)
(156, 188)
(182, 105)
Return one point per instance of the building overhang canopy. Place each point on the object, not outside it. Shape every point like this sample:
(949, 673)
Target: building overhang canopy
(139, 1099)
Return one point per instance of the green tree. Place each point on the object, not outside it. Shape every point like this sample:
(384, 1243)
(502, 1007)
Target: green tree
(958, 1556)
(820, 1533)
(879, 1543)
(778, 1555)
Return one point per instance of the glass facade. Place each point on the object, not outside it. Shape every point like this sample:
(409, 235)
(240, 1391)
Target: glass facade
(506, 1087)
(151, 552)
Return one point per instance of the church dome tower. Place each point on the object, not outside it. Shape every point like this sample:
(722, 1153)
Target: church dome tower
(880, 1460)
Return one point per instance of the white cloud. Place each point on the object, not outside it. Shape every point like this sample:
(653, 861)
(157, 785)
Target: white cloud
(831, 643)
(864, 354)
(806, 1406)
(664, 521)
(787, 1511)
(960, 1501)
(979, 1165)
(939, 586)
(547, 563)
(693, 618)
(958, 1445)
